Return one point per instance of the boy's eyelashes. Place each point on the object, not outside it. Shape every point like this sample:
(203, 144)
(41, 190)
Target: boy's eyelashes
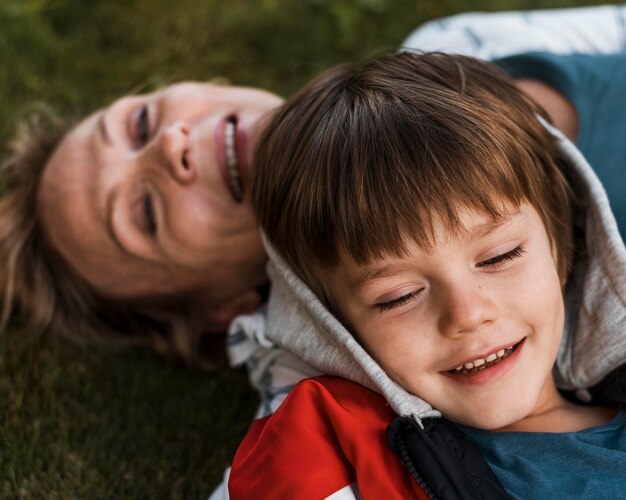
(499, 260)
(491, 263)
(400, 301)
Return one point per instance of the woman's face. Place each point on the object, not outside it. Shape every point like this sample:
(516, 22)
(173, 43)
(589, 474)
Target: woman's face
(150, 195)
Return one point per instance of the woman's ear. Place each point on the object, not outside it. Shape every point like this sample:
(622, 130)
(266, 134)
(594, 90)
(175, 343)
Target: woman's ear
(215, 316)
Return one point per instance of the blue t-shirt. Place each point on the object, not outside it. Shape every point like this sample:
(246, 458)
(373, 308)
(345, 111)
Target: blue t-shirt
(589, 464)
(596, 87)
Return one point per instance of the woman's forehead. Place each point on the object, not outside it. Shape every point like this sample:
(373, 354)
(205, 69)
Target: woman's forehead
(68, 200)
(64, 169)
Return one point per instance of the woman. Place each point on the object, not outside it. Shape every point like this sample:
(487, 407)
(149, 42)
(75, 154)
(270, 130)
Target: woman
(138, 227)
(135, 226)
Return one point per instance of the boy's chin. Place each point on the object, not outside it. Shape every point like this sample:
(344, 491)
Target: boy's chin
(498, 410)
(500, 417)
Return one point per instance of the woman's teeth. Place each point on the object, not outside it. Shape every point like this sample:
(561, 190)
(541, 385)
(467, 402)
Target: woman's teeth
(231, 160)
(483, 363)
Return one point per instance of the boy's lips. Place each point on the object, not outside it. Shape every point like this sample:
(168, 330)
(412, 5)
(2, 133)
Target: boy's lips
(484, 368)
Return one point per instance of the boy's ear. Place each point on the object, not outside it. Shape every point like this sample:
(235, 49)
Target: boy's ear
(215, 316)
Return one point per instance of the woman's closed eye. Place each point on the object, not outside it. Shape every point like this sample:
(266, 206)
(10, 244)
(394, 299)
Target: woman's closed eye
(149, 217)
(141, 127)
(499, 260)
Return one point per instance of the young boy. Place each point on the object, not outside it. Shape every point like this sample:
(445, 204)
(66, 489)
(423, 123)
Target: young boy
(447, 249)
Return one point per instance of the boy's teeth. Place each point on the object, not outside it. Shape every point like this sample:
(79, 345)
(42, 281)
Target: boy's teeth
(231, 160)
(482, 363)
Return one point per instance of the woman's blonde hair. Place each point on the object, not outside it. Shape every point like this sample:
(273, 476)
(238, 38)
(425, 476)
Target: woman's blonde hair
(38, 289)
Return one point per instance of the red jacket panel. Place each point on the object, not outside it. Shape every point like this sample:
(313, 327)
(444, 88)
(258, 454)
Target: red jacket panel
(328, 434)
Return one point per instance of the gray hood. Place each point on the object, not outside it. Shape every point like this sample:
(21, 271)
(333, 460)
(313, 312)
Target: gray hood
(594, 342)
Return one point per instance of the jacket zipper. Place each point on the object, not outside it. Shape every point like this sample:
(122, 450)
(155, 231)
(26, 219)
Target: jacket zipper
(406, 460)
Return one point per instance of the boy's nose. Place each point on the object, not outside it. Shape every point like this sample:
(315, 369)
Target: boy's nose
(174, 146)
(465, 308)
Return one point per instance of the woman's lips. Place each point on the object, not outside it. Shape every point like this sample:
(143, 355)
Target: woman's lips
(232, 165)
(242, 139)
(484, 369)
(229, 150)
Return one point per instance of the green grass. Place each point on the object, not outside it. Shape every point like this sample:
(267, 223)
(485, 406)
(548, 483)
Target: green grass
(80, 422)
(84, 422)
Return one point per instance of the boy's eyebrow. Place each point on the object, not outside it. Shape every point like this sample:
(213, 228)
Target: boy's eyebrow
(380, 272)
(476, 232)
(482, 230)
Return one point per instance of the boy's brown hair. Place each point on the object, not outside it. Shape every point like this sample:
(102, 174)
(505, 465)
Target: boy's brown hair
(370, 156)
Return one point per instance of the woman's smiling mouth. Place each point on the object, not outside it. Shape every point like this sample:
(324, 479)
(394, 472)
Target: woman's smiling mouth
(230, 153)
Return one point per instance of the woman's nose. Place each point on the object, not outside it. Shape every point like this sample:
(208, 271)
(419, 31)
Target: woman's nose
(174, 146)
(465, 308)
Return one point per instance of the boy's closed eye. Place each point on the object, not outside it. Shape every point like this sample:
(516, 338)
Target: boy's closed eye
(400, 301)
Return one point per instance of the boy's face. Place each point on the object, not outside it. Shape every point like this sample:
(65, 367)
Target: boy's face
(472, 325)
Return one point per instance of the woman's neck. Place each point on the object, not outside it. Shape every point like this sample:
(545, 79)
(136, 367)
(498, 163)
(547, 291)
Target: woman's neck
(561, 111)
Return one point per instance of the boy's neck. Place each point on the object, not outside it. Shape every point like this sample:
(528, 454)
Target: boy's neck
(554, 413)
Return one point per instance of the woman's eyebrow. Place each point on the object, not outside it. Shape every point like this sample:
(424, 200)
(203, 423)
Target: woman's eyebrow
(103, 130)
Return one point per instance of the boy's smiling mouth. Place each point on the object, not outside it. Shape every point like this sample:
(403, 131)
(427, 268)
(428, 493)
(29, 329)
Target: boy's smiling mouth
(488, 361)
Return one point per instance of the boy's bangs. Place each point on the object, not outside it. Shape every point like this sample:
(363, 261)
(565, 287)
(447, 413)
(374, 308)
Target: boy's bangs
(368, 158)
(418, 176)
